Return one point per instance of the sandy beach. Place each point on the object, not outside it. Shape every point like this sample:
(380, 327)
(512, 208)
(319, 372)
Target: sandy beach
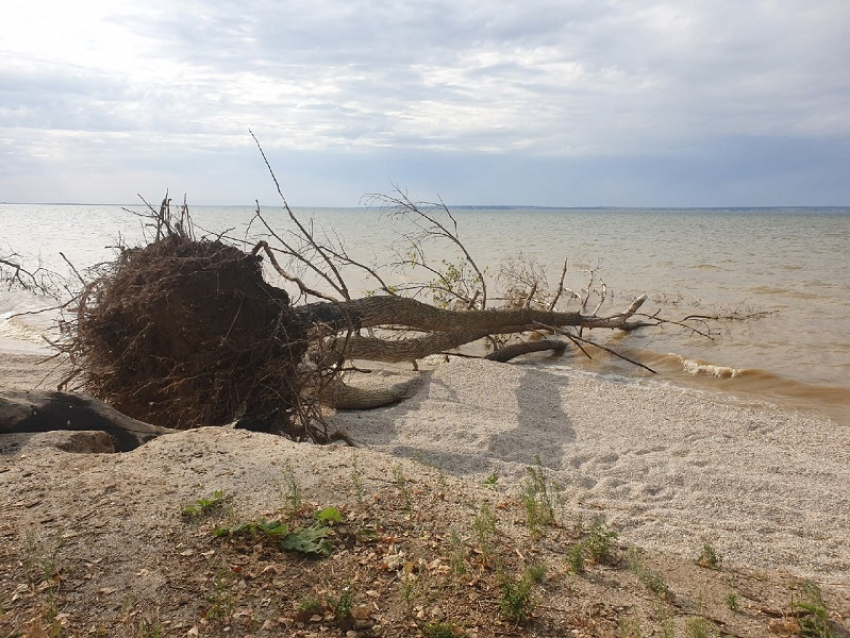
(669, 470)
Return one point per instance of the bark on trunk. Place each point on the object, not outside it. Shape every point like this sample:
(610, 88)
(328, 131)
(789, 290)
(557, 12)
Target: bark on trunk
(516, 349)
(412, 314)
(445, 329)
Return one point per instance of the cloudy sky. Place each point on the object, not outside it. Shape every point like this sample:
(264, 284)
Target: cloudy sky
(540, 102)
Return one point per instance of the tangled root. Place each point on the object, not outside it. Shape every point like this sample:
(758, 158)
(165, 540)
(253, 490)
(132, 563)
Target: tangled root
(184, 333)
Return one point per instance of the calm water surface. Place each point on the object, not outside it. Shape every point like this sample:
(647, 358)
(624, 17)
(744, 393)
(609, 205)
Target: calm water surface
(790, 263)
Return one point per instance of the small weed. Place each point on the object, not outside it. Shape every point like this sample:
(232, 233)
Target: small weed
(42, 569)
(537, 499)
(357, 481)
(221, 601)
(599, 541)
(148, 630)
(812, 613)
(491, 481)
(698, 628)
(653, 581)
(457, 559)
(443, 630)
(629, 627)
(575, 559)
(401, 481)
(517, 601)
(709, 558)
(668, 628)
(341, 608)
(293, 488)
(486, 530)
(308, 607)
(732, 601)
(204, 507)
(536, 573)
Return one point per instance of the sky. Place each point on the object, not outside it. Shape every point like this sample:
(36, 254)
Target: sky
(477, 102)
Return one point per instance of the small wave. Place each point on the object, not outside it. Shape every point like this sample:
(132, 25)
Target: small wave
(12, 328)
(695, 367)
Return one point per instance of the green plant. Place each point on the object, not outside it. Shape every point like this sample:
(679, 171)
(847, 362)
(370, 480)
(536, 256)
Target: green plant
(732, 601)
(306, 540)
(629, 627)
(401, 481)
(308, 606)
(148, 630)
(536, 572)
(486, 530)
(709, 558)
(293, 488)
(220, 599)
(812, 613)
(575, 558)
(599, 540)
(42, 569)
(328, 516)
(341, 608)
(537, 500)
(254, 528)
(491, 481)
(517, 601)
(442, 630)
(457, 557)
(309, 540)
(653, 581)
(698, 628)
(204, 507)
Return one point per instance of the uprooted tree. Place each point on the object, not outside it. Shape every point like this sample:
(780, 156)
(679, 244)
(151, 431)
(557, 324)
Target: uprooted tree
(186, 332)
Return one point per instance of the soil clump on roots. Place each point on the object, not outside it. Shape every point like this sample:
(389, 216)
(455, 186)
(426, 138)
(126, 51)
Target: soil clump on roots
(185, 333)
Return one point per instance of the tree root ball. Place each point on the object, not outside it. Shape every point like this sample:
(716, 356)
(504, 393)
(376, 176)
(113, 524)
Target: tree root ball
(183, 333)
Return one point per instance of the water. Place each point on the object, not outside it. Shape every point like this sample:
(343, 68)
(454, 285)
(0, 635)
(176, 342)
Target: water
(791, 264)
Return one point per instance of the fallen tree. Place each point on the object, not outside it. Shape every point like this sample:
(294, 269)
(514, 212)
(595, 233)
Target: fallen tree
(186, 332)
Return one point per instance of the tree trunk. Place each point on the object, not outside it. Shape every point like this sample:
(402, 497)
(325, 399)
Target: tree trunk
(412, 314)
(445, 329)
(30, 411)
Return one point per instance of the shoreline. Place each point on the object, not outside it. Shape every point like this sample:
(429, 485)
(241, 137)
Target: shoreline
(669, 468)
(668, 473)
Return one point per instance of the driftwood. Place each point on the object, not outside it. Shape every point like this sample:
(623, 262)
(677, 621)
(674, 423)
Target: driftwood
(31, 411)
(514, 350)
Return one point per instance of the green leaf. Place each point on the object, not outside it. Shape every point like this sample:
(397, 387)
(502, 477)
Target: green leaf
(253, 528)
(308, 540)
(329, 515)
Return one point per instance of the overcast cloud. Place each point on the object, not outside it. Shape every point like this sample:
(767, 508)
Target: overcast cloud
(572, 103)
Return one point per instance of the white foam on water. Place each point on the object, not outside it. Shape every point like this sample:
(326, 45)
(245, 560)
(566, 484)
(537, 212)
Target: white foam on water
(692, 366)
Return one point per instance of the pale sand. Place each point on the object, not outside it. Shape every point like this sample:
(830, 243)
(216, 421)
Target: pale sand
(668, 469)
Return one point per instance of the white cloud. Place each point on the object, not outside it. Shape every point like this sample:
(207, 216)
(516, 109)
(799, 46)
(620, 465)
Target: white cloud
(573, 79)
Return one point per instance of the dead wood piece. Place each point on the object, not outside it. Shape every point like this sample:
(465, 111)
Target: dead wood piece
(516, 349)
(30, 411)
(348, 397)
